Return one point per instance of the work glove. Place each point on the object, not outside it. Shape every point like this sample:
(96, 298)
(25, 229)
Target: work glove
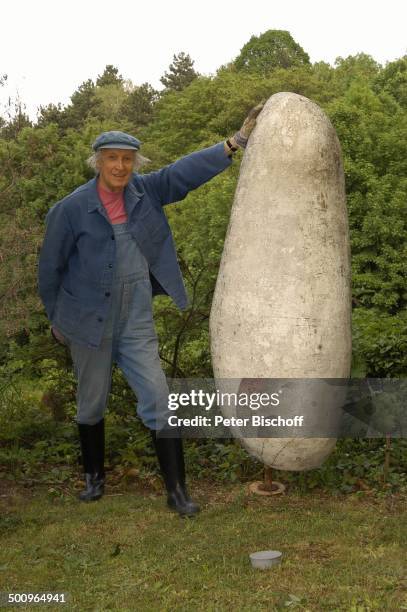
(242, 136)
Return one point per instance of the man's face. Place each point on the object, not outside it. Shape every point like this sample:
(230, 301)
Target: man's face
(115, 167)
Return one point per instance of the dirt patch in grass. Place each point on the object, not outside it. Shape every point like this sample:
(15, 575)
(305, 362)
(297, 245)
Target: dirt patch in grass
(13, 494)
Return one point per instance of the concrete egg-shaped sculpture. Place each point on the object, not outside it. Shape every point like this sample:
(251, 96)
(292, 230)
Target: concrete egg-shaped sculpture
(282, 303)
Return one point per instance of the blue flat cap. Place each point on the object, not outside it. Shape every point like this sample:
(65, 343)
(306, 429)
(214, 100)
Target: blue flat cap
(116, 140)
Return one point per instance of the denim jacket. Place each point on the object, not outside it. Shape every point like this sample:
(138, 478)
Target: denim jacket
(77, 259)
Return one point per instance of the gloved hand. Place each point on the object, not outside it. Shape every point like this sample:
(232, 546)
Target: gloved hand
(58, 336)
(242, 136)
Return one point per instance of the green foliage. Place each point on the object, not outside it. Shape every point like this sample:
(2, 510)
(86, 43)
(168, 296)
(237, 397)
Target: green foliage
(138, 105)
(15, 120)
(221, 460)
(372, 129)
(393, 80)
(379, 344)
(180, 73)
(83, 105)
(356, 465)
(110, 76)
(360, 67)
(271, 50)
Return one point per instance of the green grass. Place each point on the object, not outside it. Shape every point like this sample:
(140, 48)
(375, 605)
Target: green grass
(128, 552)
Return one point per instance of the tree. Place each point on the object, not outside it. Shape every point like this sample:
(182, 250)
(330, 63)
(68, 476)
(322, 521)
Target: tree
(16, 120)
(355, 68)
(83, 104)
(110, 99)
(139, 104)
(180, 74)
(51, 113)
(372, 131)
(393, 79)
(273, 49)
(110, 76)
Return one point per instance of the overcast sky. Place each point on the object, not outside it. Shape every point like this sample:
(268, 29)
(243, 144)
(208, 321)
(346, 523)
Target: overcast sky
(49, 47)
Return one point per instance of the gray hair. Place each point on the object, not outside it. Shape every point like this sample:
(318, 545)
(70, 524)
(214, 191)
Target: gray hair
(139, 161)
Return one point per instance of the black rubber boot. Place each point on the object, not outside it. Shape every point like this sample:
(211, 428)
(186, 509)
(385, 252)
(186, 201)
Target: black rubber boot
(92, 439)
(170, 456)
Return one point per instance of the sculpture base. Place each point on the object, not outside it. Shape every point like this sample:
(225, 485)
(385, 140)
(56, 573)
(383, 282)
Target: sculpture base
(259, 488)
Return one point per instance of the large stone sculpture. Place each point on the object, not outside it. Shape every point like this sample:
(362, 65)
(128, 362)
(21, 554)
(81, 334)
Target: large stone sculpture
(282, 304)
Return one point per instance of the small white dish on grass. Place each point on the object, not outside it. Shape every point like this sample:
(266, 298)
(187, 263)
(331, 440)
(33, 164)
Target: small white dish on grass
(265, 558)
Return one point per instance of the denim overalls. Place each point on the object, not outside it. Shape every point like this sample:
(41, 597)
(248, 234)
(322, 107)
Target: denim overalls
(129, 340)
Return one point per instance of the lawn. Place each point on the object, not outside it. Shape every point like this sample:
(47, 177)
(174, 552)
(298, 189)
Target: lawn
(128, 552)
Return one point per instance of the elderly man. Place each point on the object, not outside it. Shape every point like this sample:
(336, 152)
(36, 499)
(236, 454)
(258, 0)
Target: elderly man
(107, 251)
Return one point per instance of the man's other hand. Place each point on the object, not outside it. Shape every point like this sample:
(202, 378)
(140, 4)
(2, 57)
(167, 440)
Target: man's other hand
(58, 336)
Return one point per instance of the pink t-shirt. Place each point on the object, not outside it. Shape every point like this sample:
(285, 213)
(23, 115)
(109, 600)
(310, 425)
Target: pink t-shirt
(113, 201)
